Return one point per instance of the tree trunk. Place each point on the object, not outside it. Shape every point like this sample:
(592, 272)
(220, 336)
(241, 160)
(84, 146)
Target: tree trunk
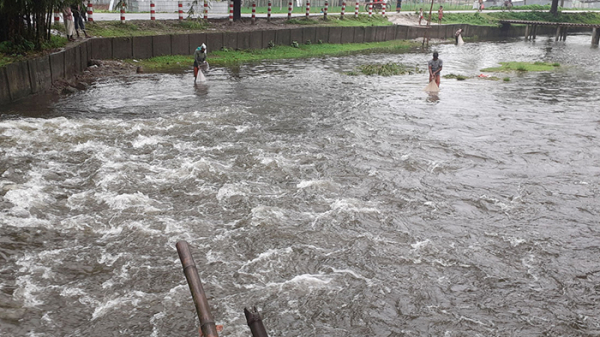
(554, 7)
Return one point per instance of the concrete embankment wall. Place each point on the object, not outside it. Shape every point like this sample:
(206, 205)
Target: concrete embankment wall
(18, 80)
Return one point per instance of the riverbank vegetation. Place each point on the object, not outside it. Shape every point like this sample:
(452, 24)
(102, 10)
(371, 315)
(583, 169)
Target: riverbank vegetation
(232, 58)
(384, 69)
(523, 66)
(492, 19)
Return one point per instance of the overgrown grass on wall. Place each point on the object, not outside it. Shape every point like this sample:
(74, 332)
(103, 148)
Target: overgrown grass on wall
(231, 57)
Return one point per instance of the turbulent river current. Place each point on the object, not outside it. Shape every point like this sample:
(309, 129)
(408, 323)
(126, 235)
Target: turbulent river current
(337, 205)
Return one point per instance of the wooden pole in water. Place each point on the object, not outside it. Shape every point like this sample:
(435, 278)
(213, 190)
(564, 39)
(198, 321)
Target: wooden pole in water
(595, 36)
(565, 33)
(557, 33)
(534, 31)
(526, 32)
(207, 323)
(255, 323)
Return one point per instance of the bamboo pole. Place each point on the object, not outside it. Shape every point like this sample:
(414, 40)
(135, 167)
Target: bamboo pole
(207, 323)
(255, 323)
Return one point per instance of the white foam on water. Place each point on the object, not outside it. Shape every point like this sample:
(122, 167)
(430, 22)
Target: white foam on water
(72, 291)
(154, 320)
(109, 259)
(229, 190)
(352, 205)
(241, 128)
(319, 184)
(30, 194)
(142, 141)
(261, 214)
(514, 241)
(420, 244)
(305, 281)
(369, 282)
(271, 253)
(132, 298)
(27, 291)
(129, 200)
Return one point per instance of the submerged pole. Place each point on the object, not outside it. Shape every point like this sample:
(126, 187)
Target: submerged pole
(595, 36)
(207, 323)
(255, 323)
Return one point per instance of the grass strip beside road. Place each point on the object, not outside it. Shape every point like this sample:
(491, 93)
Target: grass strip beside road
(225, 58)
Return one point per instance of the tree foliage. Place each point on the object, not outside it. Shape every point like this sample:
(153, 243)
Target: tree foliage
(28, 22)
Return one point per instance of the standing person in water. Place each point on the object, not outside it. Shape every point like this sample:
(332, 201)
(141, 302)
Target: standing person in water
(457, 34)
(435, 68)
(398, 6)
(200, 60)
(440, 14)
(420, 15)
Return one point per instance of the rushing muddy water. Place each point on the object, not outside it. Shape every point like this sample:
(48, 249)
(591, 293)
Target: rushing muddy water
(338, 205)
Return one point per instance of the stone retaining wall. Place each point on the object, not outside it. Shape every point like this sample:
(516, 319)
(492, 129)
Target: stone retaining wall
(19, 80)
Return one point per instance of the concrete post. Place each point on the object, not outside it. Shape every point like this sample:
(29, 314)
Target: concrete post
(253, 12)
(90, 12)
(205, 9)
(325, 9)
(307, 9)
(290, 9)
(152, 10)
(343, 10)
(180, 8)
(356, 10)
(269, 11)
(122, 13)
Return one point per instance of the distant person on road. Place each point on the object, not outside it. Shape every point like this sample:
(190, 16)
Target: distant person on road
(420, 15)
(68, 18)
(78, 16)
(440, 14)
(398, 6)
(200, 60)
(435, 68)
(480, 5)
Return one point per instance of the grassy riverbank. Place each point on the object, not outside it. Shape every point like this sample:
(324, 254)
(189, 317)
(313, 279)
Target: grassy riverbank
(491, 19)
(231, 58)
(159, 27)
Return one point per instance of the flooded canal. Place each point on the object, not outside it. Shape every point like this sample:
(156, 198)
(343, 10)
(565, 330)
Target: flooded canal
(338, 205)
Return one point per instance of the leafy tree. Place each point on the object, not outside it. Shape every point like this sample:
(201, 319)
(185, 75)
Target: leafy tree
(25, 23)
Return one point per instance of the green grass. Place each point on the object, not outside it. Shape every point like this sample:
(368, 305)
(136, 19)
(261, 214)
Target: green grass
(10, 53)
(232, 58)
(522, 66)
(384, 69)
(457, 77)
(361, 21)
(491, 19)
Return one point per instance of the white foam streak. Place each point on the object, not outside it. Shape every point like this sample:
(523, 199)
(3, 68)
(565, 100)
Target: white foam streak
(306, 281)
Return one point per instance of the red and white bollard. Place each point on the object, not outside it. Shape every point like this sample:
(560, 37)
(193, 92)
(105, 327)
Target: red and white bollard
(269, 11)
(343, 10)
(290, 8)
(56, 17)
(90, 12)
(205, 9)
(370, 9)
(253, 12)
(123, 14)
(307, 9)
(231, 12)
(180, 7)
(152, 11)
(383, 9)
(356, 10)
(325, 10)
